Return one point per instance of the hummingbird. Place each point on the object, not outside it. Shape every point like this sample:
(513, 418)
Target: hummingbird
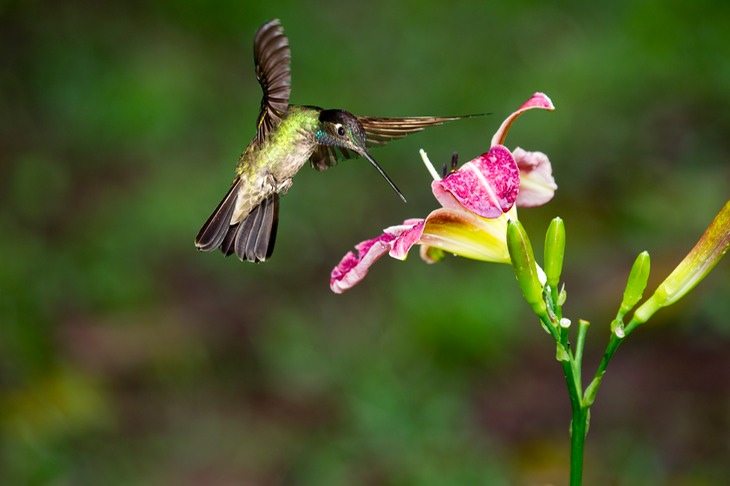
(287, 136)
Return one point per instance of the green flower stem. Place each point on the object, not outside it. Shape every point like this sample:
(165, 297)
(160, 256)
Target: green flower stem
(580, 342)
(580, 412)
(580, 409)
(578, 359)
(570, 360)
(579, 420)
(590, 394)
(547, 304)
(578, 428)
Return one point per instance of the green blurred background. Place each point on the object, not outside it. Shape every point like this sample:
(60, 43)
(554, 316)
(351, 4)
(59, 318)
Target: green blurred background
(126, 357)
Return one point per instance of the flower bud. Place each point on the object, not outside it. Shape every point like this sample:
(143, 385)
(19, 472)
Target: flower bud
(636, 283)
(523, 262)
(708, 251)
(554, 251)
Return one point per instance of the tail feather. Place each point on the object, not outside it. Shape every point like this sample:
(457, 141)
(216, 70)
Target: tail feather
(213, 232)
(252, 239)
(260, 241)
(244, 232)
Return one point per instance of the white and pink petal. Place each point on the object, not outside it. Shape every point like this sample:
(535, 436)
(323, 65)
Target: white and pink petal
(487, 185)
(537, 185)
(354, 266)
(395, 240)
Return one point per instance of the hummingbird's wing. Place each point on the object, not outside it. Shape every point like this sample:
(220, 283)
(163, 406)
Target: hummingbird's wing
(272, 57)
(379, 131)
(325, 156)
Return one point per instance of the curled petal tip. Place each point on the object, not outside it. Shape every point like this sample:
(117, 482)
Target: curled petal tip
(539, 100)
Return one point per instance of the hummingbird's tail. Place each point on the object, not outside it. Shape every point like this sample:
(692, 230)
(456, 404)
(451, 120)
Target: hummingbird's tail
(251, 239)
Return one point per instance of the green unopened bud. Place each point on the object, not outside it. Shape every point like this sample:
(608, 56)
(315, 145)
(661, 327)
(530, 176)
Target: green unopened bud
(523, 262)
(696, 265)
(636, 283)
(554, 251)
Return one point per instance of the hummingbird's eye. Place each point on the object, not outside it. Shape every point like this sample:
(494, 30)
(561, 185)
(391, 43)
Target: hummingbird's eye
(340, 130)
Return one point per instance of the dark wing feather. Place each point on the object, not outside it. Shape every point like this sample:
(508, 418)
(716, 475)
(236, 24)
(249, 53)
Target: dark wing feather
(272, 57)
(325, 156)
(379, 131)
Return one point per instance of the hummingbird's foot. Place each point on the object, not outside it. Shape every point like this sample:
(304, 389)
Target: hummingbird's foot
(271, 184)
(283, 186)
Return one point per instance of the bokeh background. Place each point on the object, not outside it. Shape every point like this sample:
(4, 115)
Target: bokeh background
(126, 357)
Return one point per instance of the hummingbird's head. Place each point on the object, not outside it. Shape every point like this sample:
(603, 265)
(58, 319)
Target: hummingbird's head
(342, 129)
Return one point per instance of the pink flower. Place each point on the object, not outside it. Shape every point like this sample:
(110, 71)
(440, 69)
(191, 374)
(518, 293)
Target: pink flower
(477, 201)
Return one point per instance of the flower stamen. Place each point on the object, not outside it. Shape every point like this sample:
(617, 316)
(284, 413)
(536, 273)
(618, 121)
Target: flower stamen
(429, 166)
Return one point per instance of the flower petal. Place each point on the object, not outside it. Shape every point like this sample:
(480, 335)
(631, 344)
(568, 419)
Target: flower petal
(467, 235)
(487, 185)
(353, 267)
(396, 240)
(538, 100)
(409, 233)
(537, 185)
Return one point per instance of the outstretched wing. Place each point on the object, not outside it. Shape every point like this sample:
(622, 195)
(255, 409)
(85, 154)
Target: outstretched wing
(379, 131)
(272, 57)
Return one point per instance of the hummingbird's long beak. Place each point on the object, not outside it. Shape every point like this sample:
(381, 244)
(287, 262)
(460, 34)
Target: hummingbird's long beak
(365, 154)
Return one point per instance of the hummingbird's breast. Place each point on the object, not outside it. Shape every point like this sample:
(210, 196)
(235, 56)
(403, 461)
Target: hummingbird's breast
(287, 148)
(270, 167)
